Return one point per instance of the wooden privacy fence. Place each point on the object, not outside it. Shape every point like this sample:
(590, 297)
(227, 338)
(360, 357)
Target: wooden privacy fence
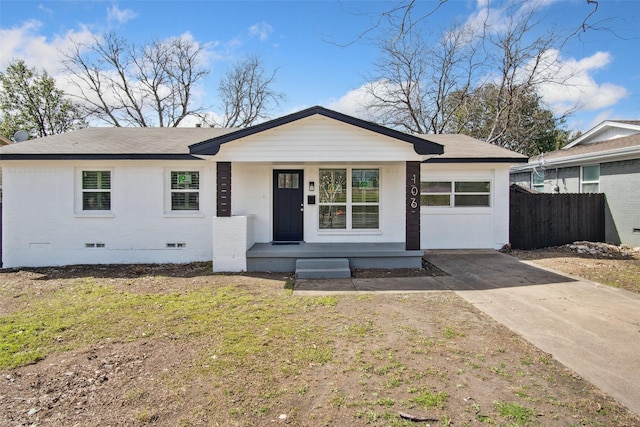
(539, 220)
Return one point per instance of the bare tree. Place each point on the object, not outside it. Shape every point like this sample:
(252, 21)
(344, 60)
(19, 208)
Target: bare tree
(415, 79)
(247, 93)
(128, 85)
(483, 75)
(519, 63)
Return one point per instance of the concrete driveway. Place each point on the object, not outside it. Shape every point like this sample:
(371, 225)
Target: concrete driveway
(591, 328)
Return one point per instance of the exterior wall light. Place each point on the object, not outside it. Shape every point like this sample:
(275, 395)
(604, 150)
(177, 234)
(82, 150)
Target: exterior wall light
(312, 186)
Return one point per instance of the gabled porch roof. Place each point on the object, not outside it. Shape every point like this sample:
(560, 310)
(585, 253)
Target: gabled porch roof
(212, 146)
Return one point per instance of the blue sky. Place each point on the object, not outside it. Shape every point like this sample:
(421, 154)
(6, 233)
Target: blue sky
(296, 38)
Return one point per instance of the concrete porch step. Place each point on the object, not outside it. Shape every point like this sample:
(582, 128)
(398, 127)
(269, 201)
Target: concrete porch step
(322, 268)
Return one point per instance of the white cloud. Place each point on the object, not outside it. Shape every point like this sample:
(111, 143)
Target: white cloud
(576, 87)
(120, 16)
(262, 30)
(44, 9)
(27, 43)
(353, 102)
(498, 17)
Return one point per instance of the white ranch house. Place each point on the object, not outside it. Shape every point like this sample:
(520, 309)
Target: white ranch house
(316, 183)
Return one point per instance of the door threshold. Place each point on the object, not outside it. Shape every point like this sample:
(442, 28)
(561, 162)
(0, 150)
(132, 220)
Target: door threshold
(278, 243)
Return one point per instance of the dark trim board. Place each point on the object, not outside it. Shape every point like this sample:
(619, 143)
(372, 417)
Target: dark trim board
(114, 156)
(223, 189)
(477, 160)
(412, 232)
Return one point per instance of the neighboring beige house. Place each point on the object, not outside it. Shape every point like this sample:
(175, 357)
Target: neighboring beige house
(316, 183)
(606, 159)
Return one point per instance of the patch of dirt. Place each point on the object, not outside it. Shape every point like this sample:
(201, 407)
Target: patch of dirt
(386, 351)
(607, 264)
(428, 270)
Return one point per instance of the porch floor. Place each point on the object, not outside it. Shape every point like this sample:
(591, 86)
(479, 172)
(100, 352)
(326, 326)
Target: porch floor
(282, 257)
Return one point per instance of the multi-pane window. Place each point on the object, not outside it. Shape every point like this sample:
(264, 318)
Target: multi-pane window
(288, 180)
(349, 207)
(96, 190)
(333, 199)
(365, 198)
(435, 193)
(455, 193)
(537, 180)
(590, 179)
(185, 190)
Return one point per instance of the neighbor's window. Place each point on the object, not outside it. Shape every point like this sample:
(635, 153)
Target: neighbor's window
(349, 207)
(590, 179)
(455, 193)
(537, 180)
(96, 190)
(185, 190)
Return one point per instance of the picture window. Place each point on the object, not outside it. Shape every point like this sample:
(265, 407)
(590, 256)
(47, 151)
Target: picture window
(355, 206)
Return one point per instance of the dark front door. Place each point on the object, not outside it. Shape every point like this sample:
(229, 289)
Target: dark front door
(287, 205)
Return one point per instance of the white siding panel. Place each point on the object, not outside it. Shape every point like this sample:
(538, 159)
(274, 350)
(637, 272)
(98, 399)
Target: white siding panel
(456, 231)
(316, 139)
(252, 194)
(42, 227)
(610, 133)
(467, 228)
(252, 185)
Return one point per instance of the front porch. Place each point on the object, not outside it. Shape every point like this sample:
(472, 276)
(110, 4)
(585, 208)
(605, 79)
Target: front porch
(282, 257)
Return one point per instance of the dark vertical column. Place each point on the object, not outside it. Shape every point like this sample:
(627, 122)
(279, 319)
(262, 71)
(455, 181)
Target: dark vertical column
(223, 189)
(412, 239)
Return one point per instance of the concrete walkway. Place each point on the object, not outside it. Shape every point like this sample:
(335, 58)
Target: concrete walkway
(591, 328)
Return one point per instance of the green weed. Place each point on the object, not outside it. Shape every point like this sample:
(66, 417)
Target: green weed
(429, 399)
(514, 412)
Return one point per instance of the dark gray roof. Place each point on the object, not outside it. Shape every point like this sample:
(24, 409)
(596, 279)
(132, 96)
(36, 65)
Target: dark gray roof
(4, 140)
(187, 143)
(460, 148)
(594, 147)
(112, 142)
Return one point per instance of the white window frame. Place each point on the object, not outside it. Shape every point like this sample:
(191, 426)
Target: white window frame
(358, 203)
(79, 193)
(349, 203)
(584, 182)
(169, 191)
(534, 185)
(452, 193)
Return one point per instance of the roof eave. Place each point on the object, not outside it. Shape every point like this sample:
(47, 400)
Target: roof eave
(98, 156)
(476, 160)
(609, 155)
(212, 146)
